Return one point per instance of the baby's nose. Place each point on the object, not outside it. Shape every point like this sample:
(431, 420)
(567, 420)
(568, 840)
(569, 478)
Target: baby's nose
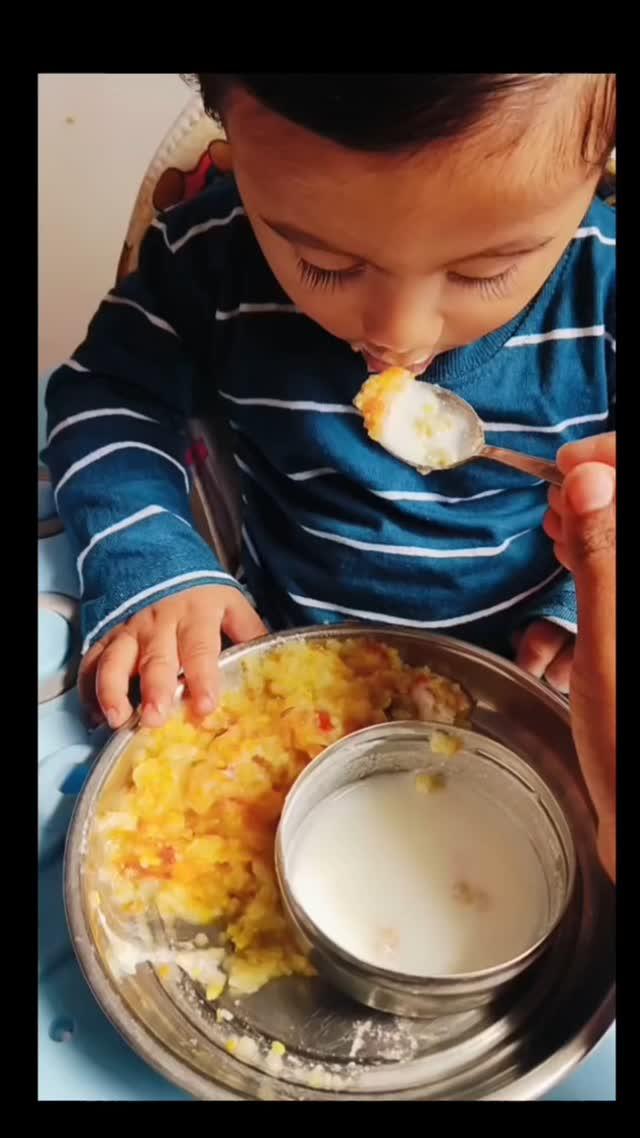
(404, 329)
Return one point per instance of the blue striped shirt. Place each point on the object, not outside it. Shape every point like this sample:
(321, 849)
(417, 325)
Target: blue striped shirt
(334, 527)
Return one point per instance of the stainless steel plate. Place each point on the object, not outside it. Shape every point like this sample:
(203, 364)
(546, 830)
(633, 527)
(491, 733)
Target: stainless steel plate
(517, 1050)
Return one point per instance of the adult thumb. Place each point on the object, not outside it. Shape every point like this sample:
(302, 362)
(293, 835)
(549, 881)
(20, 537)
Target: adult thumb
(589, 548)
(589, 492)
(589, 536)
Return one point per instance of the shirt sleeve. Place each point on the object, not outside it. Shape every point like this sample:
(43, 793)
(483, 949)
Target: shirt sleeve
(117, 440)
(556, 604)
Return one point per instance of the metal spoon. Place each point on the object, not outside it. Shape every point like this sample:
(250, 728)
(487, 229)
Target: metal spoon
(477, 447)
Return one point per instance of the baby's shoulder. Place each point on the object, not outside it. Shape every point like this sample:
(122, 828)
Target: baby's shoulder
(590, 284)
(215, 200)
(596, 237)
(204, 222)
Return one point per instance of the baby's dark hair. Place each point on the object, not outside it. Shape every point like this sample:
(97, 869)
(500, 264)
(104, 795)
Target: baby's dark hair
(393, 113)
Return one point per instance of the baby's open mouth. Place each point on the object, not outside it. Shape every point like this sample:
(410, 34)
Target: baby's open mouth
(375, 364)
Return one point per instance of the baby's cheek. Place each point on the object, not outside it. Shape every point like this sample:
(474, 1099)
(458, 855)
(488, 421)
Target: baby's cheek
(338, 312)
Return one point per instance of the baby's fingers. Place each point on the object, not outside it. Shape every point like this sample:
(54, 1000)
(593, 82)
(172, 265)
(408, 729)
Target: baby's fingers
(158, 668)
(87, 683)
(116, 665)
(558, 674)
(199, 648)
(540, 644)
(241, 622)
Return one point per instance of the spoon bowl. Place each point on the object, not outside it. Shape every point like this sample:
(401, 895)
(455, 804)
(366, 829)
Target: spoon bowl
(430, 428)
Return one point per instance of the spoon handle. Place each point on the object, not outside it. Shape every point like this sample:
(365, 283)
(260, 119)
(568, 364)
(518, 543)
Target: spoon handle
(527, 463)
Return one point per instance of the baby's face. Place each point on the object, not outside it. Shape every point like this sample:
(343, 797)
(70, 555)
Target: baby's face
(407, 257)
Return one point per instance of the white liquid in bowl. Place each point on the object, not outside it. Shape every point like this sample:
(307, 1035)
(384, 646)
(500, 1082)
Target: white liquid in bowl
(432, 884)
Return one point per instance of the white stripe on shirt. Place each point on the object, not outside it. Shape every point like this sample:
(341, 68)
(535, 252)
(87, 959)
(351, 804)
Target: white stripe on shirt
(243, 466)
(450, 622)
(250, 546)
(291, 404)
(111, 448)
(125, 523)
(425, 496)
(552, 429)
(296, 476)
(74, 365)
(195, 230)
(83, 415)
(254, 309)
(150, 316)
(388, 495)
(593, 231)
(195, 575)
(556, 334)
(415, 550)
(305, 475)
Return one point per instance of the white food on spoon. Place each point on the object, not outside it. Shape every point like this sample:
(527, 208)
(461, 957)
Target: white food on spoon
(411, 420)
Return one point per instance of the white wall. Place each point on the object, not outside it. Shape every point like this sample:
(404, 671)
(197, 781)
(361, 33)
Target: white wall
(97, 134)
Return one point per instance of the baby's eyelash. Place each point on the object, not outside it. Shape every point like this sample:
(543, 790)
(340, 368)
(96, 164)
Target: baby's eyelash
(487, 286)
(328, 279)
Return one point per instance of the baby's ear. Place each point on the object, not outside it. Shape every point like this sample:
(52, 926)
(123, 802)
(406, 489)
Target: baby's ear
(169, 189)
(221, 156)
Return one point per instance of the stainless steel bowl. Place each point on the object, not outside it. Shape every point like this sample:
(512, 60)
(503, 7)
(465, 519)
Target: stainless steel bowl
(488, 769)
(516, 1049)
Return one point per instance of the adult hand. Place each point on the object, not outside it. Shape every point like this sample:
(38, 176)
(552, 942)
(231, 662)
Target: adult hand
(582, 524)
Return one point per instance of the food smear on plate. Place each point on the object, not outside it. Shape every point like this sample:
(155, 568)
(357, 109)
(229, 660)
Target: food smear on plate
(411, 420)
(189, 830)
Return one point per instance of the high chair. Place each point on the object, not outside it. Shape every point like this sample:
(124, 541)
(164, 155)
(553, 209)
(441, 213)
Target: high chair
(193, 147)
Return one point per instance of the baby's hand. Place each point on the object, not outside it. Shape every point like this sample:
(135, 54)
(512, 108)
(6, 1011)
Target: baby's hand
(546, 649)
(182, 631)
